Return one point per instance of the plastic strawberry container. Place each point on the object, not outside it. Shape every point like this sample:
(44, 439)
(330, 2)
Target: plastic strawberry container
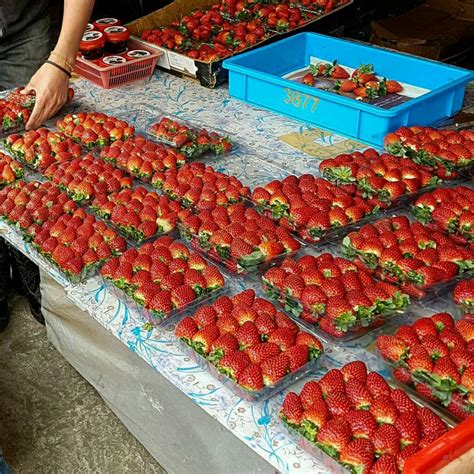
(441, 399)
(368, 319)
(119, 75)
(417, 291)
(332, 463)
(324, 193)
(135, 236)
(152, 317)
(191, 148)
(252, 395)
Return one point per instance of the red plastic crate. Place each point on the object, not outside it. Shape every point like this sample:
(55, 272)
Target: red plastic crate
(119, 75)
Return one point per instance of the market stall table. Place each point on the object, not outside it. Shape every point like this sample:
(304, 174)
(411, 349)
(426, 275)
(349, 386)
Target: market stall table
(167, 407)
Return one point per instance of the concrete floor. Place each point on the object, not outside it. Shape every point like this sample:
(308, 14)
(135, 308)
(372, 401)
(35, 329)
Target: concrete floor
(51, 419)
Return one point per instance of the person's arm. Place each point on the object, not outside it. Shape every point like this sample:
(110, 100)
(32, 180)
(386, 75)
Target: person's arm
(50, 83)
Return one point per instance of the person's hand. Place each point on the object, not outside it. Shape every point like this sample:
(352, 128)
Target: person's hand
(50, 85)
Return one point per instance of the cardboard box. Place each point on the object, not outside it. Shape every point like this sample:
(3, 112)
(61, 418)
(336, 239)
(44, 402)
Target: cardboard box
(209, 74)
(438, 29)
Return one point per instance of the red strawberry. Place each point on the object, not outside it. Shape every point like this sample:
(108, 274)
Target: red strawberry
(409, 428)
(298, 356)
(251, 378)
(386, 440)
(203, 339)
(385, 464)
(466, 329)
(424, 327)
(263, 351)
(392, 348)
(291, 411)
(420, 362)
(332, 382)
(227, 323)
(283, 337)
(311, 393)
(204, 316)
(306, 339)
(355, 370)
(186, 329)
(274, 369)
(404, 454)
(334, 436)
(362, 423)
(245, 298)
(445, 374)
(247, 335)
(314, 418)
(358, 394)
(443, 320)
(233, 364)
(430, 422)
(384, 410)
(358, 455)
(225, 344)
(377, 385)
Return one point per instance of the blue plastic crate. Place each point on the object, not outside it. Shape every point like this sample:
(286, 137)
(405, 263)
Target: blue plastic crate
(256, 77)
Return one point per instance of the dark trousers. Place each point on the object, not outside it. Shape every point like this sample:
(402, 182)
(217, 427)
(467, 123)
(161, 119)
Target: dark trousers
(20, 56)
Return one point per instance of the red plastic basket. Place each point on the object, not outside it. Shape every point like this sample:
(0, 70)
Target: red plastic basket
(119, 75)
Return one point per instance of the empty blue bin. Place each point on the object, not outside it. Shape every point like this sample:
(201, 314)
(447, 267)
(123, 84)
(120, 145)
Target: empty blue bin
(256, 77)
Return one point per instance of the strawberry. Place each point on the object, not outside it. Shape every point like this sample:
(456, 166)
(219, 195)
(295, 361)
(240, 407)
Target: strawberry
(424, 327)
(383, 409)
(445, 374)
(334, 436)
(392, 348)
(393, 87)
(160, 304)
(182, 296)
(186, 329)
(404, 454)
(247, 335)
(430, 422)
(403, 403)
(435, 347)
(408, 335)
(355, 370)
(213, 277)
(465, 329)
(310, 394)
(358, 455)
(306, 339)
(263, 351)
(251, 378)
(420, 362)
(409, 428)
(314, 418)
(283, 337)
(203, 339)
(443, 320)
(363, 424)
(386, 440)
(232, 365)
(274, 369)
(245, 298)
(298, 356)
(385, 464)
(332, 382)
(291, 411)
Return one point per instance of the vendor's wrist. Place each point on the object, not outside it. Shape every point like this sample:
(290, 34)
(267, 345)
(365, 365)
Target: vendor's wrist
(60, 58)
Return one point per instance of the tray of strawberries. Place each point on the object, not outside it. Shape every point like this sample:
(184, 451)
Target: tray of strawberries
(354, 421)
(162, 278)
(238, 237)
(314, 207)
(422, 262)
(190, 140)
(13, 117)
(10, 170)
(94, 129)
(248, 345)
(337, 298)
(450, 210)
(141, 158)
(391, 179)
(85, 178)
(30, 205)
(138, 214)
(200, 187)
(434, 356)
(39, 148)
(445, 149)
(463, 296)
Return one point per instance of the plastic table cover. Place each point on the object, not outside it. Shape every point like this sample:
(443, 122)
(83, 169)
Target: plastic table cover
(257, 131)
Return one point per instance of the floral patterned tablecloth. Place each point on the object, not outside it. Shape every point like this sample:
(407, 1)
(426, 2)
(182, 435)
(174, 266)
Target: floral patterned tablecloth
(259, 157)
